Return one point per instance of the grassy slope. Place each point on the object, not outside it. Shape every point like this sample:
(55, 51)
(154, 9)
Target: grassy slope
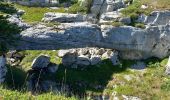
(149, 84)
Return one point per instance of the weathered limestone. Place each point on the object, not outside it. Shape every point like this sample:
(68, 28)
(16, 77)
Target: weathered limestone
(156, 18)
(41, 62)
(102, 6)
(82, 57)
(110, 17)
(16, 20)
(63, 17)
(167, 71)
(131, 42)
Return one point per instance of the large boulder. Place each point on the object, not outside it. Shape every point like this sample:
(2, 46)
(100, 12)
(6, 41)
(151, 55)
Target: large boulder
(41, 62)
(136, 43)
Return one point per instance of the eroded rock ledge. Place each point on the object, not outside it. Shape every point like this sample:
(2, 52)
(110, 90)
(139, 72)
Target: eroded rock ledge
(131, 42)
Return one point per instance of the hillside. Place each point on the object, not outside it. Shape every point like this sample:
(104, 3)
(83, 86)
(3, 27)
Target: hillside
(85, 50)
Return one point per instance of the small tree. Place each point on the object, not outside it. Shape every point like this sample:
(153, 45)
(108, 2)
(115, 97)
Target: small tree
(8, 33)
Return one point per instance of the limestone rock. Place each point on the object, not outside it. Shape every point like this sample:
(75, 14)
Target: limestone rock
(3, 69)
(125, 20)
(158, 18)
(83, 61)
(167, 71)
(41, 62)
(63, 17)
(83, 57)
(100, 6)
(95, 59)
(110, 16)
(69, 59)
(16, 20)
(52, 68)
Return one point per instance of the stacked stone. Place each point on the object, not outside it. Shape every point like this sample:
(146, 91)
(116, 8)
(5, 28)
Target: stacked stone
(83, 57)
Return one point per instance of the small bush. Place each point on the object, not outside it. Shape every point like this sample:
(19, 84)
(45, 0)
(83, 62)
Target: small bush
(7, 31)
(117, 24)
(140, 25)
(166, 86)
(135, 9)
(77, 8)
(7, 8)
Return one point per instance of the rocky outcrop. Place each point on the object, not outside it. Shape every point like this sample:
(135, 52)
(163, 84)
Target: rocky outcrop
(101, 6)
(131, 42)
(83, 57)
(158, 18)
(3, 69)
(63, 17)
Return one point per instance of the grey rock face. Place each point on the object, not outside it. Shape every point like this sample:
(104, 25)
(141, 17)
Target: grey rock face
(16, 20)
(69, 59)
(3, 69)
(167, 71)
(100, 6)
(131, 42)
(41, 62)
(110, 16)
(125, 20)
(63, 17)
(156, 18)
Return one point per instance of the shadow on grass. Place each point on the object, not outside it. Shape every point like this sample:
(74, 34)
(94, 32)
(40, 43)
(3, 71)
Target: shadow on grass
(92, 79)
(15, 78)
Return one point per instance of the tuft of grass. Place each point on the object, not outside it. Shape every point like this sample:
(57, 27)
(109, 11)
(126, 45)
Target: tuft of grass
(76, 8)
(140, 25)
(6, 94)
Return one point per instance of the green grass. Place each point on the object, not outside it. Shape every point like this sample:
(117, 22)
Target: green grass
(18, 95)
(31, 54)
(35, 14)
(151, 83)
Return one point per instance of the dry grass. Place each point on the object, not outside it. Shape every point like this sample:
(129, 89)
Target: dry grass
(158, 4)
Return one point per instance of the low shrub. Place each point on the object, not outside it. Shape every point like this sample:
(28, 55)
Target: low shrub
(76, 8)
(7, 8)
(140, 25)
(7, 32)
